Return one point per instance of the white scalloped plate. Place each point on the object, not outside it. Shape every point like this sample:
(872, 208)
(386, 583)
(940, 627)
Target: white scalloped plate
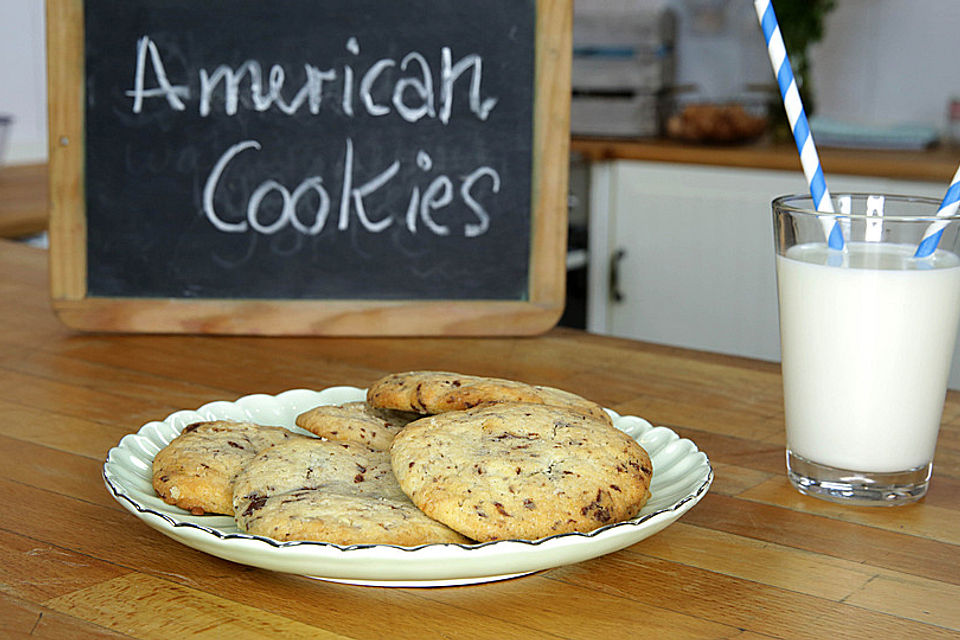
(681, 477)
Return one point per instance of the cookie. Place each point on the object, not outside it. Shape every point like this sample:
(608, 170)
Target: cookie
(356, 422)
(430, 392)
(339, 492)
(521, 470)
(197, 469)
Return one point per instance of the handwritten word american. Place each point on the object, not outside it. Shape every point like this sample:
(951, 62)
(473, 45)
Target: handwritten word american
(266, 89)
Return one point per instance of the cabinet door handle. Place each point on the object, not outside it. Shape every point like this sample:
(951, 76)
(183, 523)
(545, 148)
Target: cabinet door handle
(615, 294)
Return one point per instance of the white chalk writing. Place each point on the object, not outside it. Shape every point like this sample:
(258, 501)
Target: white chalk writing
(350, 87)
(266, 90)
(438, 195)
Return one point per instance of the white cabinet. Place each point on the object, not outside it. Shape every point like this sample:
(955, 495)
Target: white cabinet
(696, 256)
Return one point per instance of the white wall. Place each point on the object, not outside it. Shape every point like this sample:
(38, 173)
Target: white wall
(23, 90)
(889, 61)
(882, 61)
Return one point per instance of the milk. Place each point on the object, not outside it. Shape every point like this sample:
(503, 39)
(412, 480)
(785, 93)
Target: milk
(866, 350)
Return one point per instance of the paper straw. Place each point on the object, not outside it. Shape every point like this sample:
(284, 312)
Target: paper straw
(949, 206)
(809, 159)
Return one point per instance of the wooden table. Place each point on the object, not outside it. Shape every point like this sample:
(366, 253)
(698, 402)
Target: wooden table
(753, 560)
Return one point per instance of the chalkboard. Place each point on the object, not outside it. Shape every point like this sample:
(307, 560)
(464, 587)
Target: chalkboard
(336, 166)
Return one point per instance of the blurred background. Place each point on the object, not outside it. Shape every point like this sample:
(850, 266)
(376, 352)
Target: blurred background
(879, 62)
(670, 232)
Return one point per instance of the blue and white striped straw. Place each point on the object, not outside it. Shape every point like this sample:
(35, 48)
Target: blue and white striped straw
(809, 159)
(949, 206)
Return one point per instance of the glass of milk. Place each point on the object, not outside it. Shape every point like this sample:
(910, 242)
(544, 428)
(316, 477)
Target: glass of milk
(867, 336)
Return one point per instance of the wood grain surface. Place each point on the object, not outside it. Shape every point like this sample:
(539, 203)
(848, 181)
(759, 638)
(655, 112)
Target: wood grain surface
(935, 165)
(753, 560)
(23, 200)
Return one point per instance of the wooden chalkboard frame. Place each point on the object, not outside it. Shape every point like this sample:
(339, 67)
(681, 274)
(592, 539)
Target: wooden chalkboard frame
(68, 258)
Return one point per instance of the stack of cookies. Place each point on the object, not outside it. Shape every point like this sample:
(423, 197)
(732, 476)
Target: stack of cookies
(429, 457)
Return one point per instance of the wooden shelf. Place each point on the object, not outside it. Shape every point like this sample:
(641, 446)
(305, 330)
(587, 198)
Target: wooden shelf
(935, 165)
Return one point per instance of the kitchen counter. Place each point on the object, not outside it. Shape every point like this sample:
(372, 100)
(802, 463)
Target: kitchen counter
(754, 559)
(23, 200)
(936, 165)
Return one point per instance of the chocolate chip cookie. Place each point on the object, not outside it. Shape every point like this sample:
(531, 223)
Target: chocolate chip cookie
(430, 392)
(356, 422)
(339, 492)
(521, 470)
(197, 469)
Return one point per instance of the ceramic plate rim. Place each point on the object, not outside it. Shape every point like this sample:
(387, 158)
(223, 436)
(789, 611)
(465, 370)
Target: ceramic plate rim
(551, 551)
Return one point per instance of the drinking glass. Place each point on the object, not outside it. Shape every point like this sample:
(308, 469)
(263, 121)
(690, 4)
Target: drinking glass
(867, 336)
